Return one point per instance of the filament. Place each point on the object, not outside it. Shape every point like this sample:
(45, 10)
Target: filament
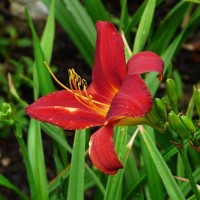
(78, 87)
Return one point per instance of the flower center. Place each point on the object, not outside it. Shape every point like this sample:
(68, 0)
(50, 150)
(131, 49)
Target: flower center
(78, 87)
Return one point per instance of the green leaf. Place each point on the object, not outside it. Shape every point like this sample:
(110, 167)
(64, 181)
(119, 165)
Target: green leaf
(185, 186)
(167, 28)
(58, 180)
(191, 105)
(171, 51)
(76, 177)
(132, 178)
(144, 26)
(137, 16)
(154, 183)
(23, 148)
(95, 179)
(96, 10)
(48, 34)
(78, 25)
(56, 134)
(124, 15)
(171, 186)
(36, 156)
(43, 76)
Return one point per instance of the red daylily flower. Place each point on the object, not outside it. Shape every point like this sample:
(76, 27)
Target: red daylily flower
(116, 96)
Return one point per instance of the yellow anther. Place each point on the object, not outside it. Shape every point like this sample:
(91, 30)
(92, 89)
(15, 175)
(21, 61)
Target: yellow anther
(78, 87)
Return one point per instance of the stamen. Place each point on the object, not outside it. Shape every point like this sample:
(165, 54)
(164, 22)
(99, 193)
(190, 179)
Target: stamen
(78, 87)
(54, 77)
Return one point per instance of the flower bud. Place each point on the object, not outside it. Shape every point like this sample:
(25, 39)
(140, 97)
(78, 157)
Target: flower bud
(177, 126)
(161, 108)
(188, 123)
(5, 112)
(154, 118)
(172, 92)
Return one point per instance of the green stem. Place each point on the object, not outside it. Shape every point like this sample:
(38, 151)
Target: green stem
(188, 171)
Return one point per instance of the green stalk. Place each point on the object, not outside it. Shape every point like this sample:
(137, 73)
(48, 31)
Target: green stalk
(188, 171)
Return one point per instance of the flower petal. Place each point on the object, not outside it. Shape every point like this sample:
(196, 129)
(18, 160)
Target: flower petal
(104, 99)
(102, 152)
(145, 61)
(132, 100)
(64, 110)
(109, 69)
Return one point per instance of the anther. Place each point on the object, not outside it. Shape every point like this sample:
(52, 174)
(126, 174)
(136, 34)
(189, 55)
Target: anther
(78, 87)
(84, 83)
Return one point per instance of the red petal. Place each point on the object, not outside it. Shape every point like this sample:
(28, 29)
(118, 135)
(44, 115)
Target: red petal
(109, 69)
(62, 109)
(102, 151)
(145, 61)
(104, 99)
(132, 100)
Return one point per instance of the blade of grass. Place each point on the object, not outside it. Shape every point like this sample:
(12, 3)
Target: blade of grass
(43, 76)
(154, 183)
(96, 10)
(144, 26)
(167, 155)
(131, 171)
(77, 24)
(82, 18)
(171, 186)
(188, 171)
(167, 28)
(180, 168)
(171, 51)
(76, 177)
(53, 132)
(96, 179)
(131, 192)
(23, 148)
(178, 79)
(56, 182)
(49, 33)
(185, 186)
(47, 47)
(36, 156)
(135, 19)
(137, 16)
(131, 177)
(191, 106)
(124, 14)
